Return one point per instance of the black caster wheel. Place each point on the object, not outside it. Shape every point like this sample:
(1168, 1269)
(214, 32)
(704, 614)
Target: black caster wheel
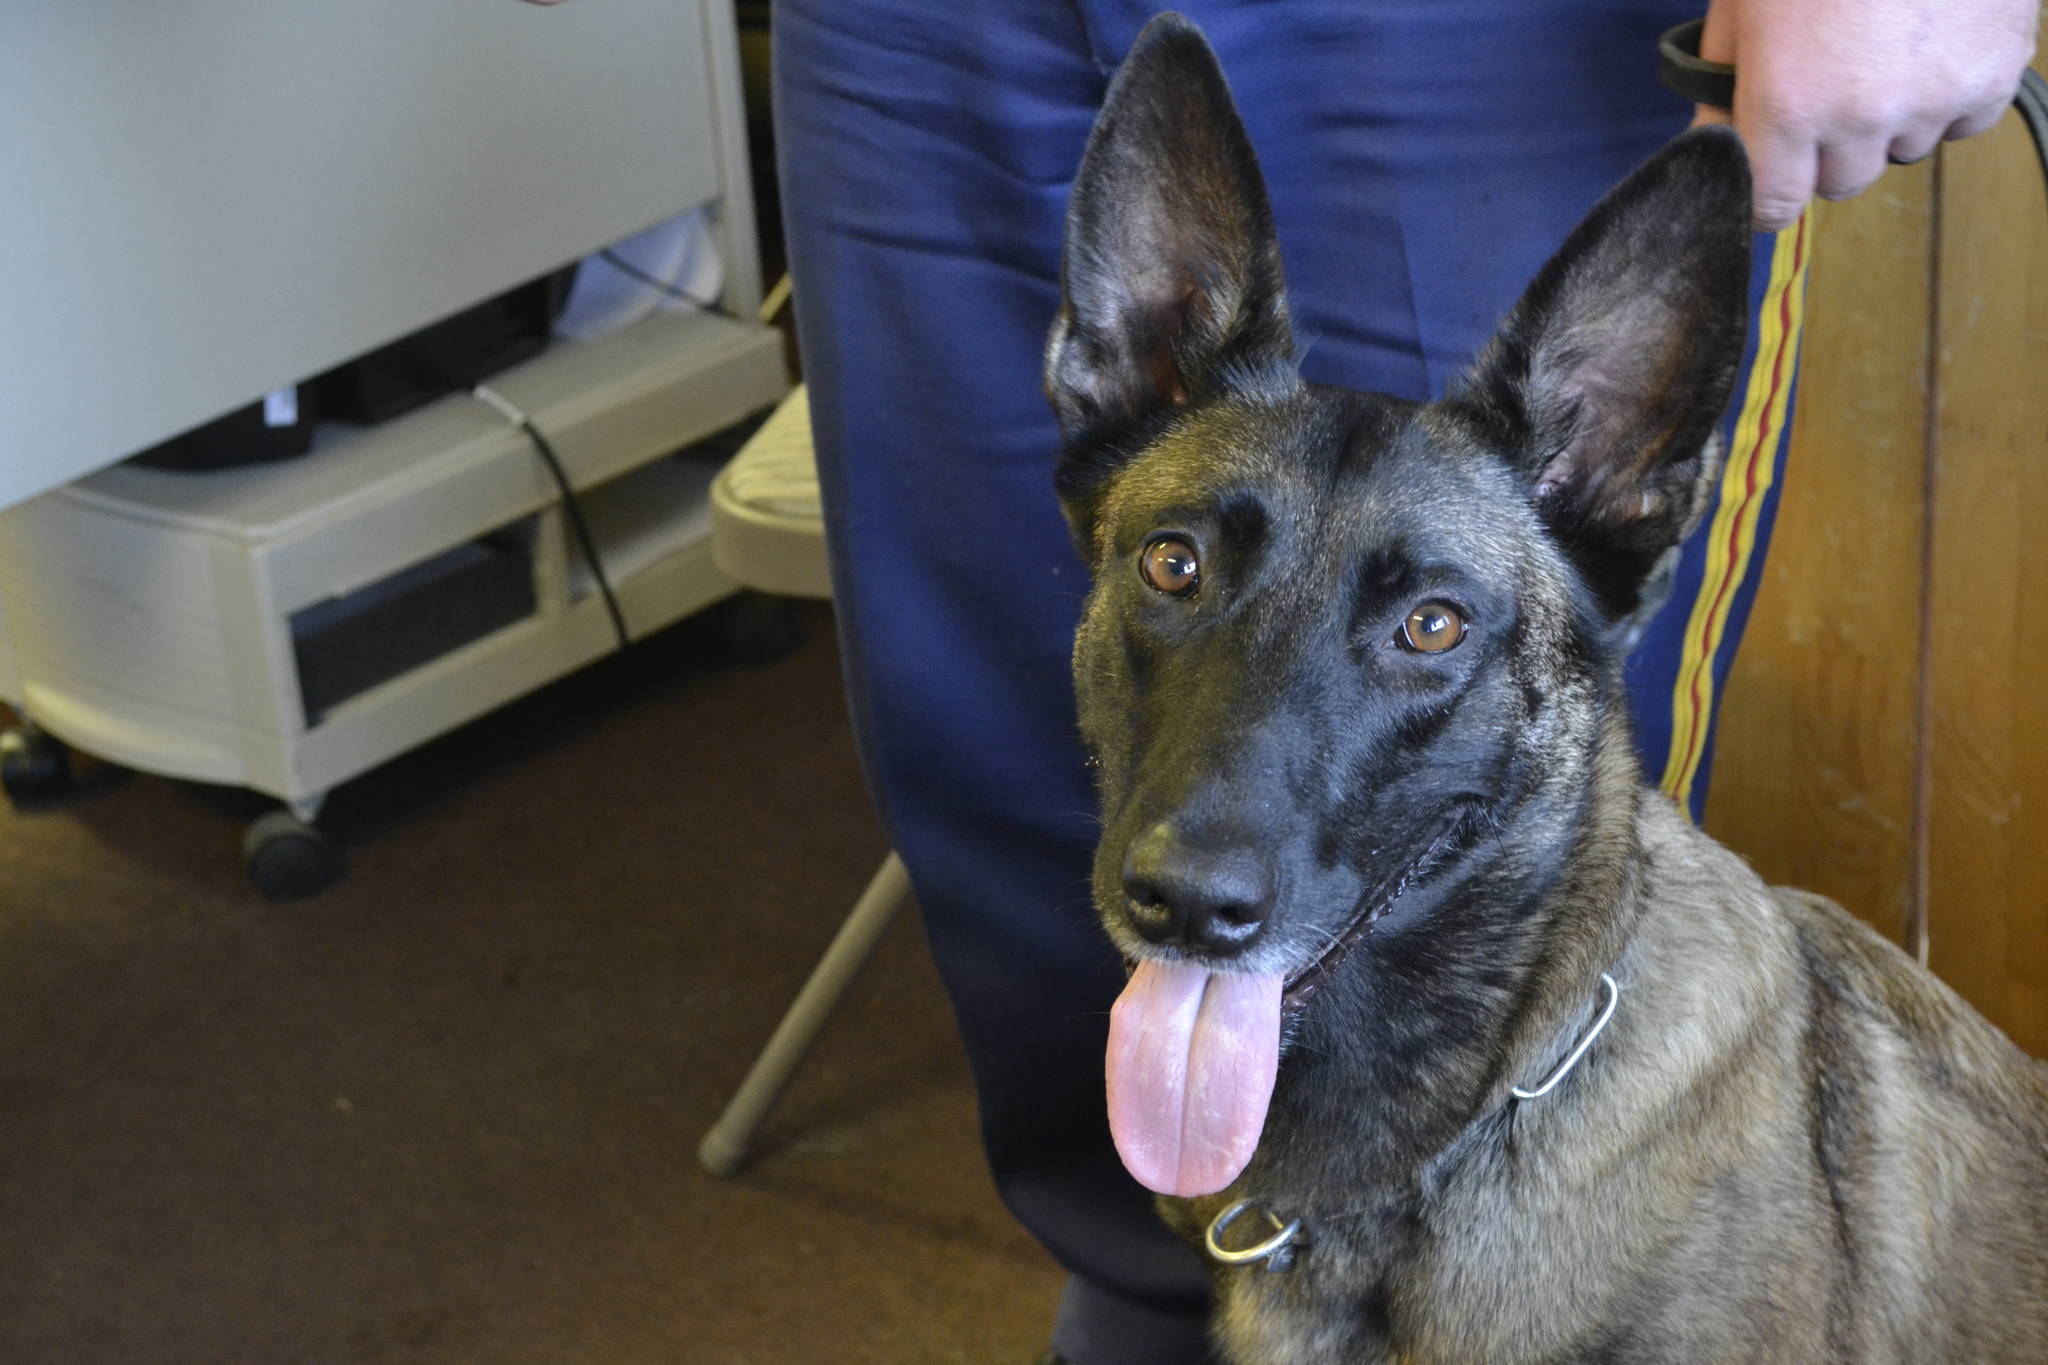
(755, 630)
(287, 858)
(34, 766)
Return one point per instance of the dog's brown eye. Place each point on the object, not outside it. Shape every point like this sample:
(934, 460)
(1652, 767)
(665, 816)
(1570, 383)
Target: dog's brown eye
(1169, 565)
(1433, 628)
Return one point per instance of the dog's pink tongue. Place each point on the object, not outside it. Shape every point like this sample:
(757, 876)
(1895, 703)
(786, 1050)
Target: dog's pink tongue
(1191, 1060)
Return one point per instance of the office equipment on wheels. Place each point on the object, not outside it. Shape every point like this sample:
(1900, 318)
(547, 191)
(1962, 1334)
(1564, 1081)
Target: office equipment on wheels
(286, 625)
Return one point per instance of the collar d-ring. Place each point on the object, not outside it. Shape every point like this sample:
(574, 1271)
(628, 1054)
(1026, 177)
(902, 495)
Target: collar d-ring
(1277, 1250)
(1613, 990)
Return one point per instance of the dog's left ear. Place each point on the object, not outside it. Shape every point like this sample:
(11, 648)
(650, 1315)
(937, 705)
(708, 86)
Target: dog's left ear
(1606, 382)
(1171, 270)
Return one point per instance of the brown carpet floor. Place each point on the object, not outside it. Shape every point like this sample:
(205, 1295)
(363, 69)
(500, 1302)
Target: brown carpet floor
(448, 1111)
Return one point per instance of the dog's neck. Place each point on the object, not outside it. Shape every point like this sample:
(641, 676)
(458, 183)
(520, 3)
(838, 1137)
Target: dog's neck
(1415, 1050)
(1589, 916)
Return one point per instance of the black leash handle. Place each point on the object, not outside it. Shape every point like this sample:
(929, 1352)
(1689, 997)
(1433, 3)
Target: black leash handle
(1683, 70)
(2032, 102)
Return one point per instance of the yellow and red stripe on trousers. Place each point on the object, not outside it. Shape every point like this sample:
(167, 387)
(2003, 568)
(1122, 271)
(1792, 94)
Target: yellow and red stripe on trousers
(1733, 545)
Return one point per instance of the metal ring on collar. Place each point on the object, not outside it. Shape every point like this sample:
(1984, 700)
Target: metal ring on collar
(1613, 989)
(1282, 1238)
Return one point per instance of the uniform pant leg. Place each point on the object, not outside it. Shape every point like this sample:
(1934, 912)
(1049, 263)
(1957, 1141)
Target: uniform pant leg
(925, 150)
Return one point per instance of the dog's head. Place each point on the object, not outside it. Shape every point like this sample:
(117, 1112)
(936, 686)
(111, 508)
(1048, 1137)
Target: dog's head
(1346, 654)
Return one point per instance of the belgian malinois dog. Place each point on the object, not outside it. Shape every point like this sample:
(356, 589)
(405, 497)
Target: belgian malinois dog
(1520, 1064)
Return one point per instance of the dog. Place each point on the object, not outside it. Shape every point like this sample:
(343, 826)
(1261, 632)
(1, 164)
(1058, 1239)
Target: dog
(1520, 1064)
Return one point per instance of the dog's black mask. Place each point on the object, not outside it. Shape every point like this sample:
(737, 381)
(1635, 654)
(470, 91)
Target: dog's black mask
(1345, 656)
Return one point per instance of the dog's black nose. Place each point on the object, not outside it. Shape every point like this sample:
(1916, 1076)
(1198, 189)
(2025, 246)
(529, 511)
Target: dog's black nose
(1212, 897)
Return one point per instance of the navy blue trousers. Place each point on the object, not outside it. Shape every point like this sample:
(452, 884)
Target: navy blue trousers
(1424, 157)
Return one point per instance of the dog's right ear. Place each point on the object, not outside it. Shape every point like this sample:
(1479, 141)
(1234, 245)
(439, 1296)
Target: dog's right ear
(1606, 382)
(1171, 271)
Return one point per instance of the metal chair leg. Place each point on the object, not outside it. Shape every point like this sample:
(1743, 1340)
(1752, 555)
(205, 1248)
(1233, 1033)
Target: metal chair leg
(726, 1147)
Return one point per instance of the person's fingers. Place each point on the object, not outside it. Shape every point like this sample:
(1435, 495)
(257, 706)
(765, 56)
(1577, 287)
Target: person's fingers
(1717, 35)
(1717, 44)
(1785, 176)
(1978, 120)
(1784, 157)
(1815, 123)
(1846, 169)
(1913, 144)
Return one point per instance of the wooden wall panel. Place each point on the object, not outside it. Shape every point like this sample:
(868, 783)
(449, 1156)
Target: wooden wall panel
(1988, 812)
(1814, 767)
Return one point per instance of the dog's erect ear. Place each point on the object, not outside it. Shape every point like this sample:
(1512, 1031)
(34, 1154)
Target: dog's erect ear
(1607, 380)
(1171, 271)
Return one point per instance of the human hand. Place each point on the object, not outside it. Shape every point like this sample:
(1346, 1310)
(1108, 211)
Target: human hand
(1829, 90)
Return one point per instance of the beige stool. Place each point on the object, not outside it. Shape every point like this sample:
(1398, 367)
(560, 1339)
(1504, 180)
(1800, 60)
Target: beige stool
(768, 533)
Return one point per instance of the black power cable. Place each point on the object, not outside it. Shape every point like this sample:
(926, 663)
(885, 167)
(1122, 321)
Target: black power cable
(675, 291)
(572, 506)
